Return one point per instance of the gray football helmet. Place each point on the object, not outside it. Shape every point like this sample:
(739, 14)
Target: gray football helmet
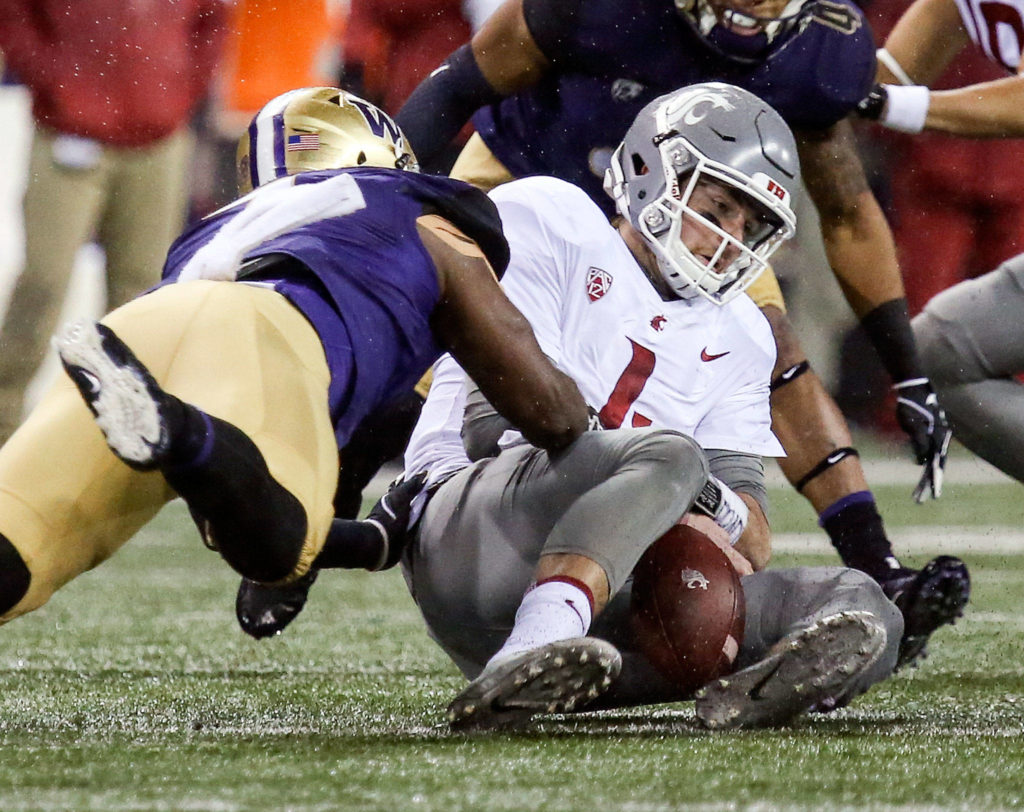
(707, 132)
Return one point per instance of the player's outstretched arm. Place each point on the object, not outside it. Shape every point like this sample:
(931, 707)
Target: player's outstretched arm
(501, 59)
(494, 343)
(862, 254)
(923, 43)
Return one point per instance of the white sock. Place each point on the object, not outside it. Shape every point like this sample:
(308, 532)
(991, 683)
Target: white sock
(550, 611)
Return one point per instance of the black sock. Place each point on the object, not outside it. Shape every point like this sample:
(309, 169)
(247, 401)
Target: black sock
(855, 528)
(352, 545)
(255, 523)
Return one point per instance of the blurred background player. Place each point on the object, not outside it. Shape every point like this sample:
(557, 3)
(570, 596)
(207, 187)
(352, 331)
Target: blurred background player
(282, 320)
(517, 555)
(971, 337)
(113, 86)
(552, 87)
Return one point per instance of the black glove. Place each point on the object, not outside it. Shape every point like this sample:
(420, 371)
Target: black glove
(391, 515)
(922, 418)
(873, 105)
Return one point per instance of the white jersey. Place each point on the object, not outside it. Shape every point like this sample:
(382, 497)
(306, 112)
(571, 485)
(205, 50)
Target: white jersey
(997, 27)
(689, 365)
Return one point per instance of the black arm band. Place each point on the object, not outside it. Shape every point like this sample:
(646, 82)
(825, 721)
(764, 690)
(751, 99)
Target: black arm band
(443, 102)
(888, 327)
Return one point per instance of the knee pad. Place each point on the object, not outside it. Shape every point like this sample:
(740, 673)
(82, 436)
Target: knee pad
(14, 576)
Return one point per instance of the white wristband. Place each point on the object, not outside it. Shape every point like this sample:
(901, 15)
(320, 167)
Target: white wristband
(906, 107)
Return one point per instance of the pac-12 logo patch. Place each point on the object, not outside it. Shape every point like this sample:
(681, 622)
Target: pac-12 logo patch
(598, 283)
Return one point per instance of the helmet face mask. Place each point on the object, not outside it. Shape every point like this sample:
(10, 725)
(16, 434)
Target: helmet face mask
(739, 35)
(318, 128)
(681, 146)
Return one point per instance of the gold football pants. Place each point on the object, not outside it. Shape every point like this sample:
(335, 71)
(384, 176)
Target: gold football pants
(239, 352)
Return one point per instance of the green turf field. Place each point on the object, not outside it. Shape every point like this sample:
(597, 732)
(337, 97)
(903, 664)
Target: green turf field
(133, 690)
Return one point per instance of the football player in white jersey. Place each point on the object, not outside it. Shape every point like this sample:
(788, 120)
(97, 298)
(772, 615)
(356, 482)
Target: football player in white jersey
(517, 554)
(971, 337)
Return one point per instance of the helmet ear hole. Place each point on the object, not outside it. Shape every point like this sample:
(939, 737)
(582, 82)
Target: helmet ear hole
(361, 159)
(639, 166)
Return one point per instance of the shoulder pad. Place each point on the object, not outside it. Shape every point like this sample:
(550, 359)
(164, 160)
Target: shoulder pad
(837, 50)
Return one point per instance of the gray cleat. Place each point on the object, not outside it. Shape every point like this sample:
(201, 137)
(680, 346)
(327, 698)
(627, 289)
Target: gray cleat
(804, 670)
(556, 678)
(119, 391)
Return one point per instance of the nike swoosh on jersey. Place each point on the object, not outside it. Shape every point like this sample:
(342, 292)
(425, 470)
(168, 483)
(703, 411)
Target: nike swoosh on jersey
(704, 356)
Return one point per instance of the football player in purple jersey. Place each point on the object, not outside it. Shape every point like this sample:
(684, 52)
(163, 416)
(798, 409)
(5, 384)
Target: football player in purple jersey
(552, 85)
(282, 321)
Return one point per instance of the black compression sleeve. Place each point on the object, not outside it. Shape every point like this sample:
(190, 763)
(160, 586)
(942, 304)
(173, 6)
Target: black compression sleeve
(443, 102)
(888, 327)
(551, 23)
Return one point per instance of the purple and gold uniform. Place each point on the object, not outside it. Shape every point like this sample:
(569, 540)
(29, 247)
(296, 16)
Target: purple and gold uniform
(293, 354)
(364, 280)
(612, 58)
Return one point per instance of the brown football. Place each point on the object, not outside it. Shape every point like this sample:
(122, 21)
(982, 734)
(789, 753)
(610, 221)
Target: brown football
(687, 608)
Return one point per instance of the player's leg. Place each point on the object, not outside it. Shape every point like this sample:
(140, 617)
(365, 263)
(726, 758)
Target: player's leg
(147, 213)
(604, 501)
(66, 503)
(971, 341)
(241, 431)
(823, 466)
(814, 638)
(62, 204)
(263, 610)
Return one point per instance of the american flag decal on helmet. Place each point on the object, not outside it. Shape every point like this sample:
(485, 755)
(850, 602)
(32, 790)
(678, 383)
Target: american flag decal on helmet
(303, 141)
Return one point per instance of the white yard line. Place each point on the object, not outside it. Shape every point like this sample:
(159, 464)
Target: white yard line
(931, 540)
(963, 469)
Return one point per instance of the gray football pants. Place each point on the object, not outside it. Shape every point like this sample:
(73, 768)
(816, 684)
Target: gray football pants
(608, 497)
(971, 340)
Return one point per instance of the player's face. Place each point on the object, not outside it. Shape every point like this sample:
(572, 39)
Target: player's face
(727, 209)
(747, 17)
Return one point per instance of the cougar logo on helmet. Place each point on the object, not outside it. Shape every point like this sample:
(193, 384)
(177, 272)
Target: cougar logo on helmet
(709, 134)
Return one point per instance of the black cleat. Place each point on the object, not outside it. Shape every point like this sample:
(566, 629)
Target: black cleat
(928, 598)
(119, 391)
(812, 669)
(557, 678)
(264, 611)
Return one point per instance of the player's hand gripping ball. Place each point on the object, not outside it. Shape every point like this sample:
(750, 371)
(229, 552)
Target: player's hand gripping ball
(687, 608)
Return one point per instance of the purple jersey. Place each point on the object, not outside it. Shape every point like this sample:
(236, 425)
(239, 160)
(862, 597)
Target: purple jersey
(363, 279)
(611, 58)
